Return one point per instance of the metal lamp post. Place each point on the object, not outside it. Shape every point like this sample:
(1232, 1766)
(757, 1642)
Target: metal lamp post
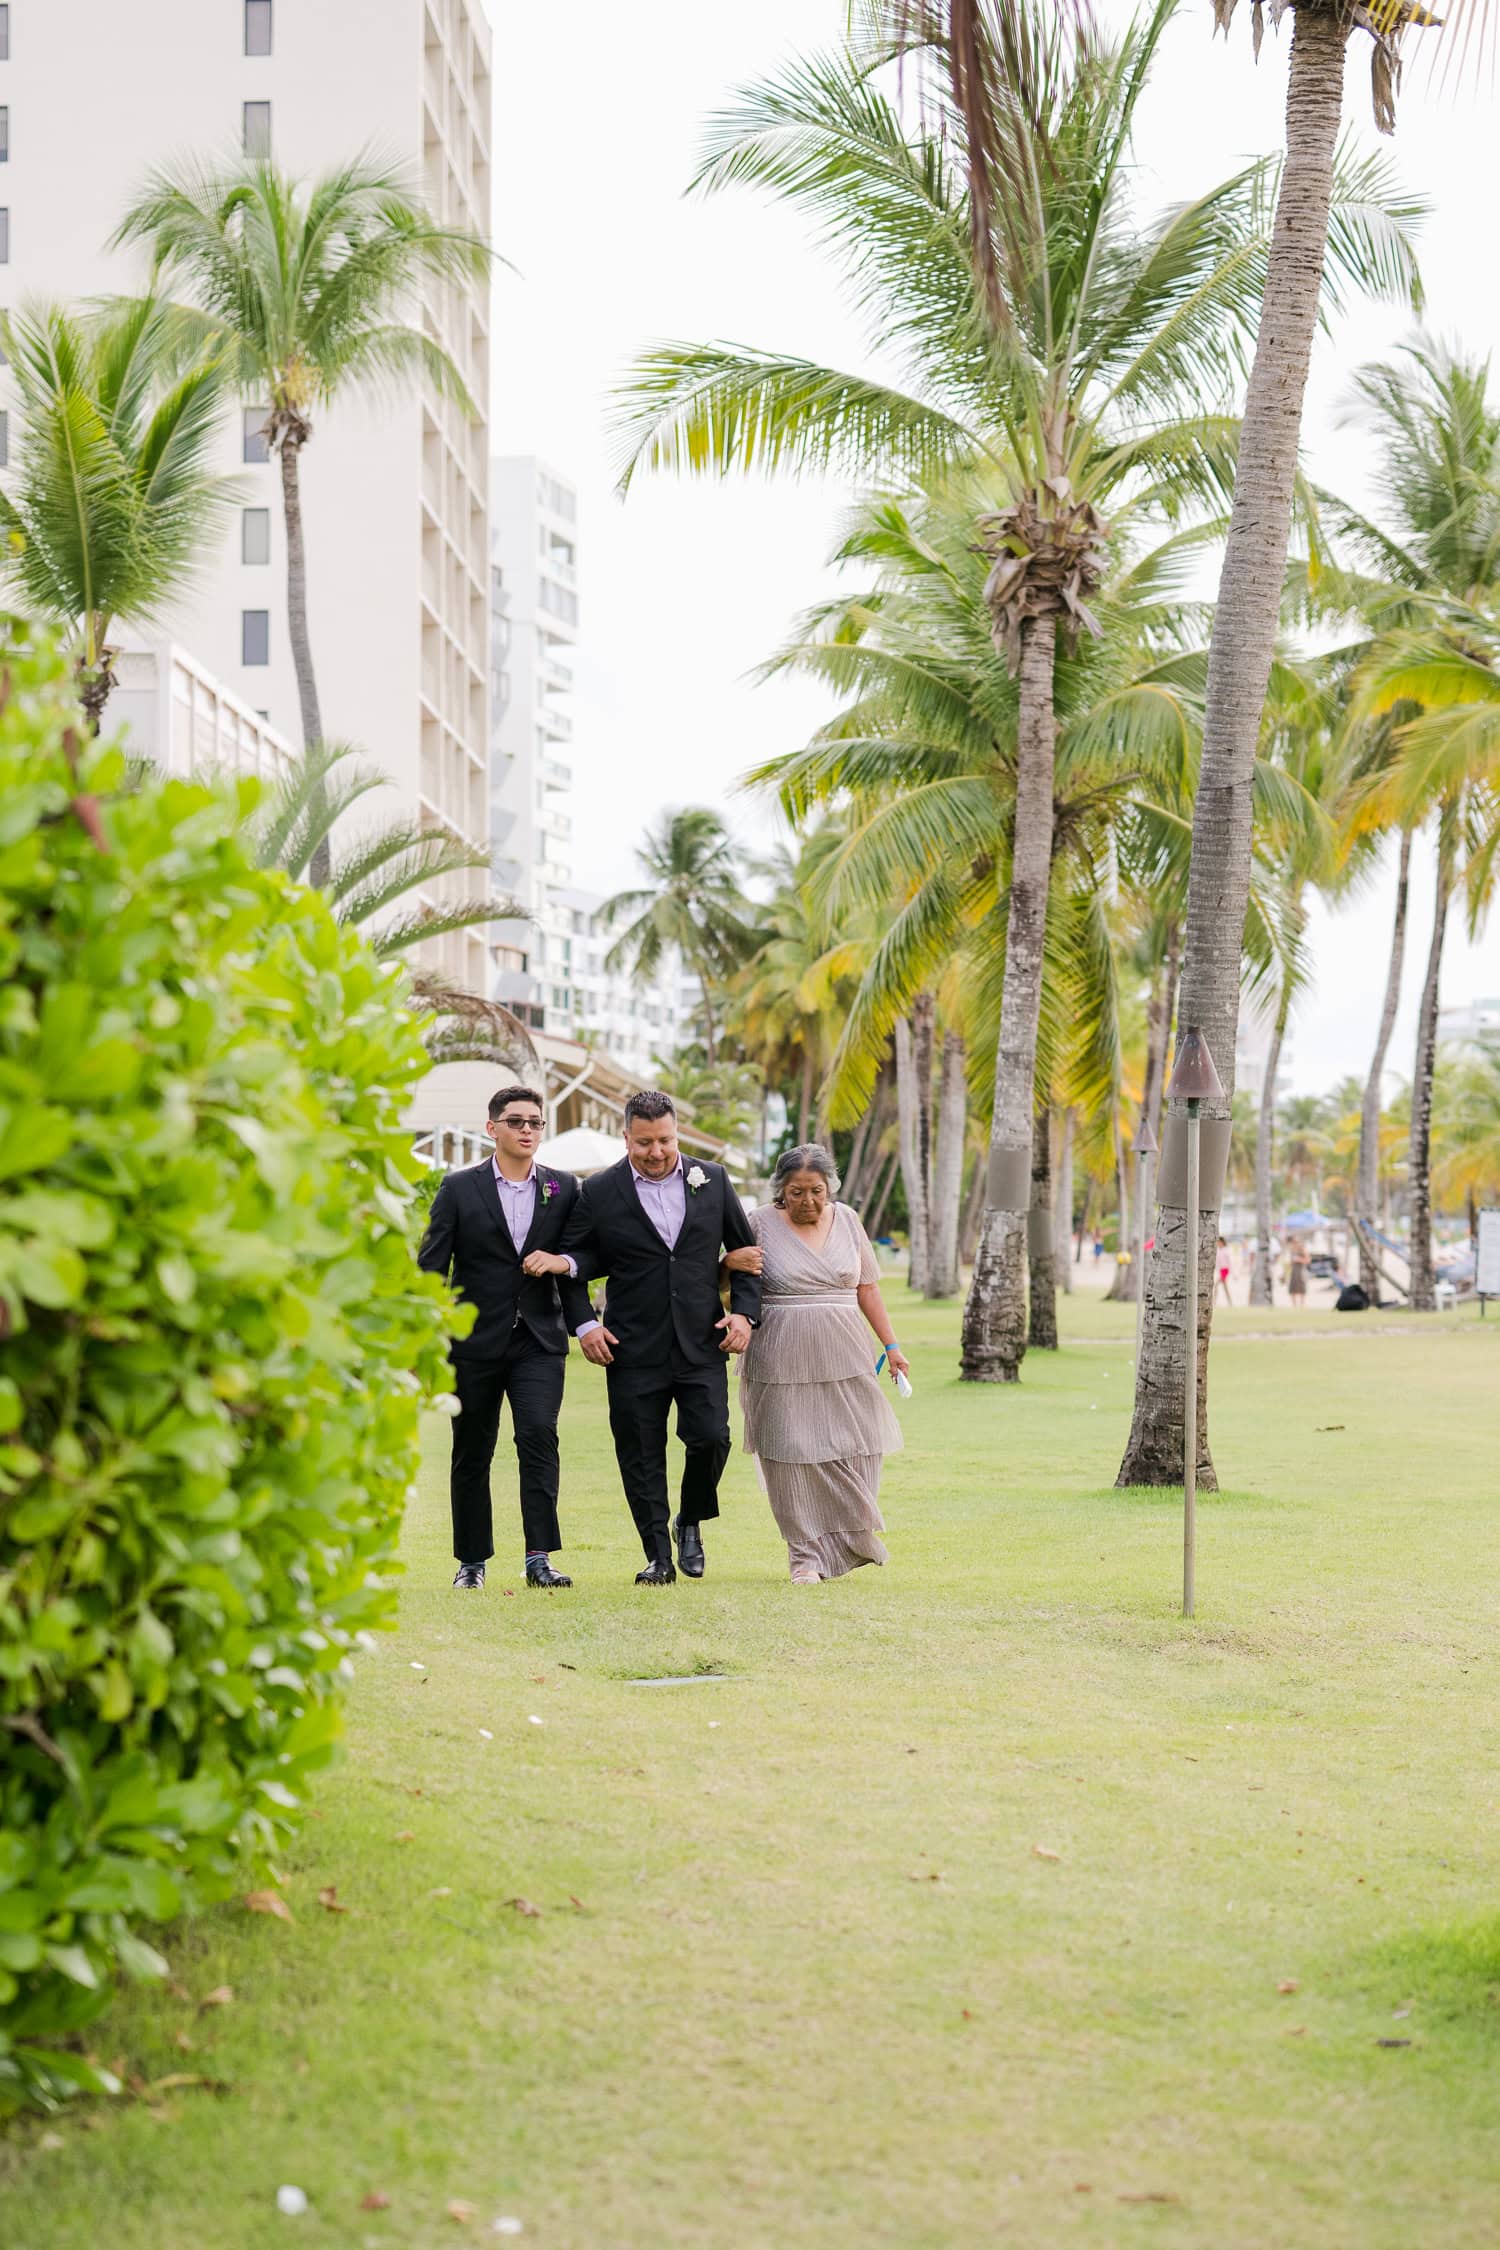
(1145, 1153)
(1194, 1082)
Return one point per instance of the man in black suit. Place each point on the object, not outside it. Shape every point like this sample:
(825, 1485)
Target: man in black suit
(488, 1226)
(657, 1228)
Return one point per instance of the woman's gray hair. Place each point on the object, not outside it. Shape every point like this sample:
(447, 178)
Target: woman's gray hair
(809, 1158)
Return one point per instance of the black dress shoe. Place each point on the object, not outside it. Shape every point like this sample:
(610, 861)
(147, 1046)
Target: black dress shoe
(469, 1574)
(656, 1574)
(543, 1574)
(689, 1547)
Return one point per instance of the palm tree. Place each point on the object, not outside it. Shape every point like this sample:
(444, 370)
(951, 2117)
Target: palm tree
(1425, 584)
(790, 998)
(925, 755)
(691, 903)
(1245, 623)
(1299, 853)
(308, 289)
(114, 504)
(1090, 372)
(377, 885)
(1467, 1160)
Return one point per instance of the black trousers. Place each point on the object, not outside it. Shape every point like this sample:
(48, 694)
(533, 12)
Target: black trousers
(639, 1402)
(532, 1380)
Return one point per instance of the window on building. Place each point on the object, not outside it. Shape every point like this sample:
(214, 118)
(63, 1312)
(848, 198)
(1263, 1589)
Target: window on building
(255, 535)
(257, 128)
(253, 427)
(5, 237)
(255, 636)
(257, 27)
(4, 441)
(4, 135)
(5, 34)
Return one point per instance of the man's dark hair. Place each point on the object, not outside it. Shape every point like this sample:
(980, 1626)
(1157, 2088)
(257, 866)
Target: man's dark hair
(649, 1103)
(500, 1103)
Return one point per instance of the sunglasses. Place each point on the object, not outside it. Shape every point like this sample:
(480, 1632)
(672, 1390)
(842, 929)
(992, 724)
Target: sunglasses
(520, 1124)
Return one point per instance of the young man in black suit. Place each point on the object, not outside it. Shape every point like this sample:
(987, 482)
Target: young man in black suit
(657, 1228)
(487, 1227)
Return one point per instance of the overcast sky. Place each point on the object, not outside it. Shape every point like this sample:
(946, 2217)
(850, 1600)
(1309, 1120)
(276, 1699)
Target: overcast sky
(685, 588)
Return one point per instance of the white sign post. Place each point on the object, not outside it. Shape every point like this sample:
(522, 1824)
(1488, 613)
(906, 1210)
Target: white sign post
(1487, 1257)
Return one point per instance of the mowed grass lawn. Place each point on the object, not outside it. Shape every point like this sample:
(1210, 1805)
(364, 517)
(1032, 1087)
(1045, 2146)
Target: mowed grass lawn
(981, 1899)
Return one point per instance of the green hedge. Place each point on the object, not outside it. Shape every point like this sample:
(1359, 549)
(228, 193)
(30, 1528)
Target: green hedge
(213, 1347)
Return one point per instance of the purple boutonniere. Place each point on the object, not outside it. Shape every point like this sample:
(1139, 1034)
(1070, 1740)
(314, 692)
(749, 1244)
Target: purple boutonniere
(549, 1189)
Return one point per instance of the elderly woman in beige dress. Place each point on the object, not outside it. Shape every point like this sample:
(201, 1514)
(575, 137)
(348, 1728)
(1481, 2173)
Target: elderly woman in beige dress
(816, 1416)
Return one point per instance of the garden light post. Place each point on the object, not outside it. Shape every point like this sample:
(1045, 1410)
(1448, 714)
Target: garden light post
(1194, 1081)
(1145, 1151)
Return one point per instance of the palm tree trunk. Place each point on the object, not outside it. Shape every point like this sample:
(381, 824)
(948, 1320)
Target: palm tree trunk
(914, 1110)
(293, 438)
(805, 1097)
(1369, 1117)
(711, 1034)
(864, 1138)
(1265, 1136)
(948, 1169)
(1121, 1290)
(1159, 1011)
(1239, 666)
(994, 1326)
(968, 1241)
(1419, 1161)
(1041, 1250)
(882, 1195)
(1062, 1204)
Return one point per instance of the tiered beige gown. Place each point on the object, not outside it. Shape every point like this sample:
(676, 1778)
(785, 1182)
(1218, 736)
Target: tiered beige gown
(816, 1417)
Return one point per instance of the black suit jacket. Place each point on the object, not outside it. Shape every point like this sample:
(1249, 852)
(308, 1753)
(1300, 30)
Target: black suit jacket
(657, 1296)
(468, 1241)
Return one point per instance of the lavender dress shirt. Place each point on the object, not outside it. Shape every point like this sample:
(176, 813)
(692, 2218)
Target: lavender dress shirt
(518, 1202)
(665, 1205)
(664, 1202)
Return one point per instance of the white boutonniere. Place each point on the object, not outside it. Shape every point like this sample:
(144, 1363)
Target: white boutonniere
(549, 1189)
(697, 1178)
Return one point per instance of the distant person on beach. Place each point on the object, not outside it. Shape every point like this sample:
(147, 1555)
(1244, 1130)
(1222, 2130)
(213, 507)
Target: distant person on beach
(1223, 1270)
(1297, 1278)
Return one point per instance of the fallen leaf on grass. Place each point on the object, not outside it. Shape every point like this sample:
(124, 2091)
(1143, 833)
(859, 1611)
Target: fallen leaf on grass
(406, 1835)
(1041, 1851)
(578, 1903)
(329, 1897)
(376, 2200)
(1324, 1428)
(175, 2078)
(268, 1902)
(444, 1890)
(566, 1667)
(463, 2212)
(1148, 2195)
(486, 1735)
(1288, 1984)
(184, 2040)
(51, 2141)
(1083, 2187)
(1297, 2031)
(1393, 2042)
(524, 1906)
(925, 1875)
(222, 1996)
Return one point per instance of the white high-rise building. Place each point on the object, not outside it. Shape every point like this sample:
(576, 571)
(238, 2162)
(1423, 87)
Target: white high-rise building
(534, 628)
(94, 95)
